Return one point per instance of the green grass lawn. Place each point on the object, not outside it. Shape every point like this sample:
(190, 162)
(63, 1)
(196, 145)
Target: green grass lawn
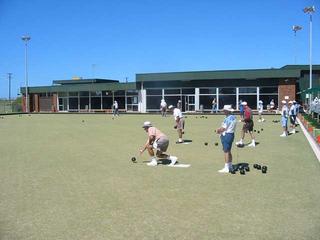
(62, 178)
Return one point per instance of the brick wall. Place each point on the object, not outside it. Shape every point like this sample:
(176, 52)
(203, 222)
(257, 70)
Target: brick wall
(286, 88)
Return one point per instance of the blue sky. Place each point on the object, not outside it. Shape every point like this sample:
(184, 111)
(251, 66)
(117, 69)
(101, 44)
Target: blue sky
(115, 39)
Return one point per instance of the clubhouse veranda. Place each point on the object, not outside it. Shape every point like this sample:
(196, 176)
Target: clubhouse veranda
(195, 89)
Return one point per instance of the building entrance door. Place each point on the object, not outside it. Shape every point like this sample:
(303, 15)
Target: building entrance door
(189, 103)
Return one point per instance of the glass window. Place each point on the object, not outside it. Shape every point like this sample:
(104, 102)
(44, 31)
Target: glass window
(107, 93)
(268, 90)
(121, 102)
(227, 90)
(250, 99)
(208, 90)
(227, 100)
(172, 91)
(154, 91)
(62, 94)
(73, 103)
(96, 93)
(107, 102)
(206, 101)
(73, 94)
(153, 102)
(266, 99)
(248, 90)
(132, 92)
(172, 100)
(119, 93)
(96, 103)
(188, 91)
(132, 100)
(84, 93)
(84, 103)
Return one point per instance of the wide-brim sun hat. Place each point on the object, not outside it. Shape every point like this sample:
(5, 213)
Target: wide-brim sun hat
(283, 101)
(147, 124)
(228, 108)
(244, 103)
(260, 101)
(171, 106)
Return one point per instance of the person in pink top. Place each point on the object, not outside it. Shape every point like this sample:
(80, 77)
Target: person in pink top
(156, 141)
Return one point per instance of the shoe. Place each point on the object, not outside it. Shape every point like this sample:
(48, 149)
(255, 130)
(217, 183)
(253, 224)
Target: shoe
(283, 135)
(239, 143)
(224, 170)
(153, 163)
(252, 144)
(173, 160)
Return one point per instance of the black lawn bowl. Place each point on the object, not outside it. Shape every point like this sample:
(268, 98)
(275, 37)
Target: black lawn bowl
(261, 129)
(206, 117)
(233, 171)
(206, 144)
(258, 132)
(216, 144)
(82, 120)
(255, 165)
(259, 167)
(240, 145)
(264, 169)
(242, 172)
(254, 130)
(133, 159)
(247, 168)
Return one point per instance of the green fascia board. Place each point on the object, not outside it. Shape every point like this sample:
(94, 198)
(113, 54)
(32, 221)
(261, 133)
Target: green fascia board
(81, 87)
(84, 81)
(219, 75)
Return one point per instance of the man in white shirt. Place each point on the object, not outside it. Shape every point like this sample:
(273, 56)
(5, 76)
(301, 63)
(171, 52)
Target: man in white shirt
(163, 108)
(260, 111)
(179, 122)
(226, 132)
(284, 118)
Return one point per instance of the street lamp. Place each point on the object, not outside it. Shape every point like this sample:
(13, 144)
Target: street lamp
(295, 28)
(310, 10)
(26, 38)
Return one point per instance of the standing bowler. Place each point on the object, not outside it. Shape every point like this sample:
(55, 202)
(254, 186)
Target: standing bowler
(226, 132)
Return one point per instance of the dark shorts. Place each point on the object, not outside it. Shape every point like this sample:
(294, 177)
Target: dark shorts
(227, 141)
(293, 119)
(248, 126)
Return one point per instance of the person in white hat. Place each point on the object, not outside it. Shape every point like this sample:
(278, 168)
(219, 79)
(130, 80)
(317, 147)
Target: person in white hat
(292, 116)
(226, 132)
(260, 111)
(284, 118)
(179, 122)
(247, 126)
(156, 141)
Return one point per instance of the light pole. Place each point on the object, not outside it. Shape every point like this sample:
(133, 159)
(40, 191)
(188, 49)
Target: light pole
(26, 38)
(9, 79)
(310, 10)
(295, 28)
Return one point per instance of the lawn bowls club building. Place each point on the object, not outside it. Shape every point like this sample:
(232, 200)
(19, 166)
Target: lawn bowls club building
(196, 90)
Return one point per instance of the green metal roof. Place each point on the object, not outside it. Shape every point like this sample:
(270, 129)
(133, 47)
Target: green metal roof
(301, 67)
(81, 87)
(221, 75)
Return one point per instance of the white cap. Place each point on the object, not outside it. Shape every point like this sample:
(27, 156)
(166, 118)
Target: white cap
(284, 102)
(228, 108)
(260, 101)
(244, 103)
(179, 100)
(147, 124)
(171, 106)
